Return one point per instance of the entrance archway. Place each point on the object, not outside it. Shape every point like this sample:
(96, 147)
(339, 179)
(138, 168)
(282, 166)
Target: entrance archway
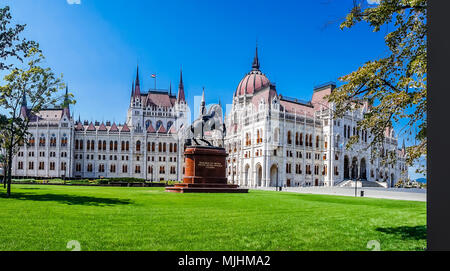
(354, 168)
(258, 175)
(246, 172)
(346, 168)
(363, 171)
(274, 175)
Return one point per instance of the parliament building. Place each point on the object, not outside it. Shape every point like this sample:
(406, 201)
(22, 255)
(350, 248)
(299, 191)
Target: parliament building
(271, 140)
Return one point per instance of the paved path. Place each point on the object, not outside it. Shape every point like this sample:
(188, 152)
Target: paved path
(370, 192)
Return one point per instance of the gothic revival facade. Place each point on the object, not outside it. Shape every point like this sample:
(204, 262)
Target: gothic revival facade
(147, 146)
(273, 140)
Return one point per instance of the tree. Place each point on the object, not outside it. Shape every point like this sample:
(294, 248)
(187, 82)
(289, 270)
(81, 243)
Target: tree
(395, 85)
(28, 80)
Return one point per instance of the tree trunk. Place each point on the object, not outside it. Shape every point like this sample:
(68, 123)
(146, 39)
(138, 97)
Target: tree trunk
(5, 174)
(8, 188)
(10, 158)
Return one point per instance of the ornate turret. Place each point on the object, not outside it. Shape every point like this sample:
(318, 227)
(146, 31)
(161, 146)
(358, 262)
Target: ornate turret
(66, 109)
(181, 98)
(24, 107)
(137, 87)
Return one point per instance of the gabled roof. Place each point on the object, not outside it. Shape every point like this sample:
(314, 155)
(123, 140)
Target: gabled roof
(150, 129)
(162, 129)
(102, 127)
(114, 128)
(91, 127)
(125, 128)
(159, 98)
(79, 127)
(172, 130)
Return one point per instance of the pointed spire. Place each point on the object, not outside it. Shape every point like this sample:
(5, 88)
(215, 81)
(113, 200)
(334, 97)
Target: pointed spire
(23, 108)
(255, 64)
(170, 88)
(181, 97)
(132, 88)
(24, 99)
(137, 88)
(66, 109)
(137, 76)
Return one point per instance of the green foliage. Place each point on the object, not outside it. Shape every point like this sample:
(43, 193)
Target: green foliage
(28, 77)
(394, 86)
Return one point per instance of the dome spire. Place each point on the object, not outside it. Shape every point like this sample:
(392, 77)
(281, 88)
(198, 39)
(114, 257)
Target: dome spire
(255, 64)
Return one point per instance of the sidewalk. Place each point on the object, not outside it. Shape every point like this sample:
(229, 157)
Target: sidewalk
(414, 194)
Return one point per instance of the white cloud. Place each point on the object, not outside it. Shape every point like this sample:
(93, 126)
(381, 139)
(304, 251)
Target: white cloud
(71, 2)
(371, 2)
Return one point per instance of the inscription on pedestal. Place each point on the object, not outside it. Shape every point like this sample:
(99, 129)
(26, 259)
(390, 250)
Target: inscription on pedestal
(210, 165)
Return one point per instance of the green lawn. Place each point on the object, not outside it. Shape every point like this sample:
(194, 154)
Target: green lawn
(45, 217)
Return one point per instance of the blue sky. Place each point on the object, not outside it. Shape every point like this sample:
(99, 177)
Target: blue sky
(97, 44)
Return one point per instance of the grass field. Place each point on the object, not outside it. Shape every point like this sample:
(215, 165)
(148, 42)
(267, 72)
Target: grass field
(45, 217)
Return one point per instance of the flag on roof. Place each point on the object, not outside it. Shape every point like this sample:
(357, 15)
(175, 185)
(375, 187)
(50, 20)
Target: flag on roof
(153, 75)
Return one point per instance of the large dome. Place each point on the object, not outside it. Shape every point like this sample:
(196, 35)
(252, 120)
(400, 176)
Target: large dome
(253, 81)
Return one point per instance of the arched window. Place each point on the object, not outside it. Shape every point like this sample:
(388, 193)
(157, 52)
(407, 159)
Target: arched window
(147, 123)
(88, 145)
(115, 145)
(92, 144)
(317, 141)
(127, 146)
(99, 146)
(160, 147)
(111, 145)
(164, 147)
(175, 147)
(104, 145)
(169, 124)
(64, 140)
(170, 147)
(77, 144)
(42, 141)
(310, 140)
(81, 144)
(149, 146)
(158, 124)
(289, 139)
(138, 145)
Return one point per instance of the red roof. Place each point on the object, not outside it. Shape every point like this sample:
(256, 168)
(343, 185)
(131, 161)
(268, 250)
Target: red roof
(253, 81)
(114, 128)
(172, 130)
(162, 129)
(159, 99)
(102, 127)
(125, 128)
(150, 129)
(91, 127)
(79, 127)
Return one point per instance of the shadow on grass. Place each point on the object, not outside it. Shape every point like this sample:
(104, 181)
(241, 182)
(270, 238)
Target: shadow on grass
(406, 232)
(68, 199)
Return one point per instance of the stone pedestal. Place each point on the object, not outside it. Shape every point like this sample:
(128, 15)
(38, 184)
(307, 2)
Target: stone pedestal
(205, 172)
